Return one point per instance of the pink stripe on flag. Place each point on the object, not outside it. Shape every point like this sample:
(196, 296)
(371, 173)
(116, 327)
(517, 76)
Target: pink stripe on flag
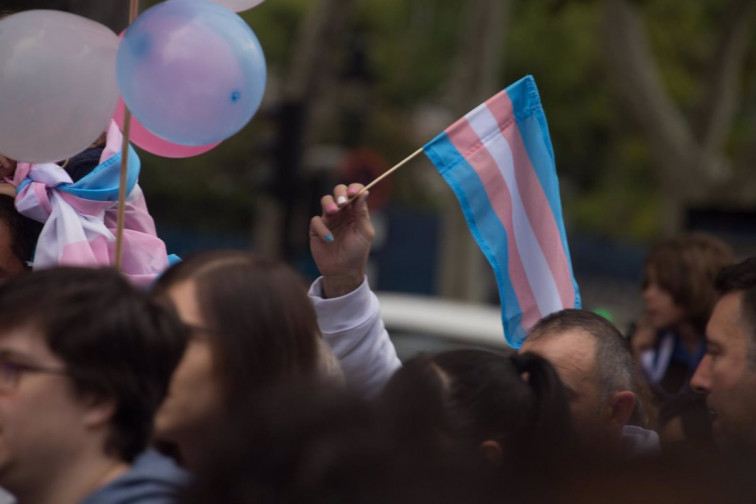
(466, 140)
(536, 204)
(85, 253)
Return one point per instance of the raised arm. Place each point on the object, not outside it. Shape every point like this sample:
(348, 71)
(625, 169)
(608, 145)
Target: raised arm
(347, 310)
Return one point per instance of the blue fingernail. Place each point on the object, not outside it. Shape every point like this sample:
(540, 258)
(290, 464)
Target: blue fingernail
(329, 237)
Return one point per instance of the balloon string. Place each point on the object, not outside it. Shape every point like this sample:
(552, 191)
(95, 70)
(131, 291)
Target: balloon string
(120, 223)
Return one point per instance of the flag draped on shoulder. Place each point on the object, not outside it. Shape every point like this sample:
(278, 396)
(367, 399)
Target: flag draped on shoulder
(499, 162)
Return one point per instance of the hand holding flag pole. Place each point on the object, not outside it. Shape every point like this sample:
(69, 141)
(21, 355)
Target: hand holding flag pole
(499, 162)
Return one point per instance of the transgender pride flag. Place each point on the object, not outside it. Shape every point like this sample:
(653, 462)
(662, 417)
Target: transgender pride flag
(499, 161)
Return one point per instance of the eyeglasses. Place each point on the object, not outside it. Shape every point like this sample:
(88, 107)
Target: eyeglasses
(10, 374)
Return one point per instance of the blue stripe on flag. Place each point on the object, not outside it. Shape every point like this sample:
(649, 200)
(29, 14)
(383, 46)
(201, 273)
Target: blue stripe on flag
(534, 130)
(487, 229)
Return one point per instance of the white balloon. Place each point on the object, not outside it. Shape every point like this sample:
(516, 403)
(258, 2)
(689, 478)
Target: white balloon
(239, 5)
(58, 86)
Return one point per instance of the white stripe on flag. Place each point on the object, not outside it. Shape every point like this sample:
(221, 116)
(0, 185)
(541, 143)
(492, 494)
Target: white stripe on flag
(537, 269)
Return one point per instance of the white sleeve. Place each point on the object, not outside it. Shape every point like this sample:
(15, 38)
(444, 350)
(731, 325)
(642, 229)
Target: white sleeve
(352, 327)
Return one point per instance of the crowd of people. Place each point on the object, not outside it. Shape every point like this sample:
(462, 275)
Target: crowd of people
(228, 381)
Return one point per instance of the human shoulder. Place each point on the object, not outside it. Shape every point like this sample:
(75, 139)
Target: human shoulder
(153, 479)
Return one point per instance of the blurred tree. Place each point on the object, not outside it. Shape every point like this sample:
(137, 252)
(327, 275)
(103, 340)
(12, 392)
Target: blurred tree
(688, 152)
(651, 104)
(474, 77)
(602, 102)
(317, 59)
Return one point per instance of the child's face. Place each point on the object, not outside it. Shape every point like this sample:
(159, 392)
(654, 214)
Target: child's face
(660, 308)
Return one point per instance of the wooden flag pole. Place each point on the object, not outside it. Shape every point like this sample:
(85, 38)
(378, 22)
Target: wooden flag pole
(388, 172)
(133, 13)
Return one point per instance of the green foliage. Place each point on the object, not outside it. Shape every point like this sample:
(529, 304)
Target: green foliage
(276, 23)
(609, 180)
(412, 45)
(604, 166)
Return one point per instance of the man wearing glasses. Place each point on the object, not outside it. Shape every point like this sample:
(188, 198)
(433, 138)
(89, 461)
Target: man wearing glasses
(85, 360)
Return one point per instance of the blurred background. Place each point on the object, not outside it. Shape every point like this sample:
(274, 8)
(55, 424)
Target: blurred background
(651, 106)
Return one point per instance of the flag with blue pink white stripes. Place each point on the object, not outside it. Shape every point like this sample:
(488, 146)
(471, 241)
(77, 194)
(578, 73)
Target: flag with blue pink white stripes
(80, 218)
(499, 162)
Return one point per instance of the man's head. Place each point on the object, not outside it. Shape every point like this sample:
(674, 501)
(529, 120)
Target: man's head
(727, 373)
(595, 365)
(85, 360)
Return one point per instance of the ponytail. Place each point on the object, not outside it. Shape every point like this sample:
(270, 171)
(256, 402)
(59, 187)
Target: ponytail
(550, 421)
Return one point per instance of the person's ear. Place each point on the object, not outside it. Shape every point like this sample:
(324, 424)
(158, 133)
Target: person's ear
(99, 411)
(621, 408)
(491, 451)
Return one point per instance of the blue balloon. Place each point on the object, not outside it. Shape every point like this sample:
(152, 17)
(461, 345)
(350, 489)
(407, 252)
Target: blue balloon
(191, 71)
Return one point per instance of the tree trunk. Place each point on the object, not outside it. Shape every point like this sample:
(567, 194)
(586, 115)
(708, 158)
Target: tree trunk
(464, 272)
(689, 162)
(317, 59)
(719, 102)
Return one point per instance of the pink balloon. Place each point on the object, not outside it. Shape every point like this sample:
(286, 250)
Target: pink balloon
(141, 136)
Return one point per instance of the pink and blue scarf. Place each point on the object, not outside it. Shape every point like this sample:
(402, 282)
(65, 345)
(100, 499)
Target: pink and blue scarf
(80, 217)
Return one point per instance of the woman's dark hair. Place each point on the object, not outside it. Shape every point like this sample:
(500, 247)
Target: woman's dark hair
(306, 444)
(686, 266)
(471, 396)
(263, 325)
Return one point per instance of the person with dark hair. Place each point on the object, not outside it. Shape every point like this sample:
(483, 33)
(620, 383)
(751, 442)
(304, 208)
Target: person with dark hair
(85, 361)
(595, 364)
(510, 407)
(678, 297)
(727, 373)
(306, 445)
(251, 326)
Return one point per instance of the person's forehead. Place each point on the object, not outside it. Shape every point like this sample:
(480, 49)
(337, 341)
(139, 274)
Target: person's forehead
(568, 342)
(27, 341)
